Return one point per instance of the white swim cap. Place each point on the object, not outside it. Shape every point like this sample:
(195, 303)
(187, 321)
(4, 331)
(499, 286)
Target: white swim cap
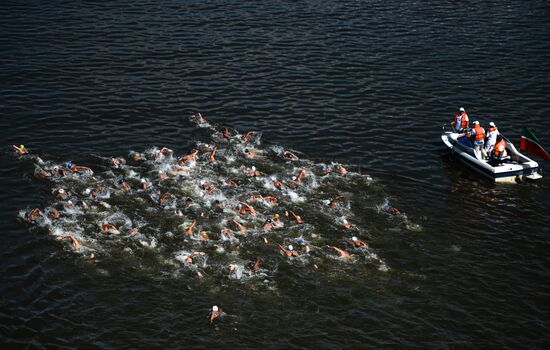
(215, 308)
(253, 168)
(462, 109)
(354, 238)
(61, 190)
(87, 191)
(142, 180)
(476, 122)
(492, 124)
(290, 247)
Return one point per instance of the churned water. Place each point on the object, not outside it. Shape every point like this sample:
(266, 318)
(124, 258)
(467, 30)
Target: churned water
(365, 84)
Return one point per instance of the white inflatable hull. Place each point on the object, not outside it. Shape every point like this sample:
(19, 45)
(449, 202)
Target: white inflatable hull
(517, 169)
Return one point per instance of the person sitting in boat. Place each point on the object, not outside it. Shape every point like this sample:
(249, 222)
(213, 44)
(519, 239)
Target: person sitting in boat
(461, 120)
(499, 151)
(478, 133)
(492, 134)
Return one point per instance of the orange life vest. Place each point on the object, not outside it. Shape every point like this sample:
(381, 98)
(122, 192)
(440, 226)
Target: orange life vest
(500, 148)
(480, 133)
(464, 121)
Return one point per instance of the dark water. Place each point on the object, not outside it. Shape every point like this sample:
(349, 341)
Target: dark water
(364, 83)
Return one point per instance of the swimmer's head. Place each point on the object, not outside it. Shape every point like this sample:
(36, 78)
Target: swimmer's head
(354, 238)
(22, 146)
(61, 191)
(87, 191)
(143, 181)
(215, 308)
(300, 240)
(276, 216)
(290, 247)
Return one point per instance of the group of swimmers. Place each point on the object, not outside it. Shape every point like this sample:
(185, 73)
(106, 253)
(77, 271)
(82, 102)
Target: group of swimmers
(216, 195)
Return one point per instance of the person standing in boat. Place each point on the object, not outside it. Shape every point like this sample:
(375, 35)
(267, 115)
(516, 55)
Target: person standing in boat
(478, 133)
(461, 120)
(492, 134)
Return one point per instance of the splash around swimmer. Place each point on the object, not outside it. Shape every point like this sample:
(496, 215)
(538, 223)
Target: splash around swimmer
(231, 207)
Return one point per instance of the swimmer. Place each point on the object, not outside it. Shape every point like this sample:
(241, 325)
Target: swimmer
(301, 174)
(163, 197)
(77, 168)
(189, 258)
(345, 224)
(227, 233)
(43, 174)
(357, 243)
(268, 199)
(231, 183)
(74, 242)
(225, 133)
(191, 156)
(162, 175)
(55, 214)
(20, 149)
(303, 245)
(188, 202)
(124, 185)
(31, 216)
(60, 171)
(136, 156)
(342, 170)
(332, 203)
(249, 154)
(205, 186)
(289, 155)
(61, 194)
(277, 183)
(108, 228)
(213, 154)
(202, 120)
(393, 211)
(190, 228)
(296, 217)
(132, 232)
(117, 162)
(246, 208)
(143, 184)
(268, 225)
(247, 136)
(239, 225)
(326, 169)
(215, 314)
(254, 266)
(163, 152)
(288, 252)
(252, 172)
(340, 252)
(204, 235)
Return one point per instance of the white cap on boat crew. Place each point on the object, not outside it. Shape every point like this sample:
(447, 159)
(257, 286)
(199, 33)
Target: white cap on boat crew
(476, 122)
(492, 124)
(462, 109)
